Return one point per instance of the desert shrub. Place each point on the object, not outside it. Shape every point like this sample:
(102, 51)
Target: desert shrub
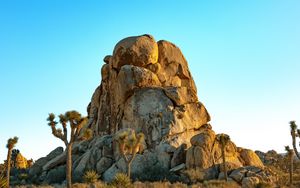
(179, 185)
(90, 176)
(159, 184)
(121, 180)
(220, 184)
(40, 186)
(98, 184)
(280, 166)
(283, 177)
(167, 185)
(264, 185)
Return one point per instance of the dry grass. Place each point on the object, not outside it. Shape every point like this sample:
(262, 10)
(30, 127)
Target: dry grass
(158, 185)
(121, 180)
(218, 184)
(280, 167)
(99, 184)
(38, 186)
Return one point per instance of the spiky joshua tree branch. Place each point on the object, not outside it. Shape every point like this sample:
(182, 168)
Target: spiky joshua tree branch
(76, 123)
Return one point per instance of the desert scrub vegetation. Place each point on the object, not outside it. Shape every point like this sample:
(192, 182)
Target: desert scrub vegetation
(90, 176)
(163, 184)
(166, 184)
(264, 185)
(158, 184)
(97, 184)
(217, 184)
(281, 169)
(121, 180)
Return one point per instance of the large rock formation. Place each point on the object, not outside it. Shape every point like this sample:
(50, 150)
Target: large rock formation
(147, 86)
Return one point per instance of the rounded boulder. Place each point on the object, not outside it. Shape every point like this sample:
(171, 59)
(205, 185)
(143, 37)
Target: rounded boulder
(138, 50)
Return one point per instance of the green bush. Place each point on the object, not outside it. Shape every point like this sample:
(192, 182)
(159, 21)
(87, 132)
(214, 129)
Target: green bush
(121, 180)
(90, 176)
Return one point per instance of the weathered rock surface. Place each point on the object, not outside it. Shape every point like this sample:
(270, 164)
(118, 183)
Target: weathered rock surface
(173, 67)
(56, 175)
(147, 86)
(19, 161)
(37, 168)
(206, 151)
(250, 158)
(270, 158)
(179, 156)
(139, 51)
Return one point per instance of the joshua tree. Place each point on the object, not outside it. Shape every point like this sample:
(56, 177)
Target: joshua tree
(76, 122)
(223, 139)
(294, 133)
(290, 154)
(129, 144)
(10, 145)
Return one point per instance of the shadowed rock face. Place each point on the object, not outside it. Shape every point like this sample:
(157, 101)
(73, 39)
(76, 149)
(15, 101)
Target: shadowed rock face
(146, 85)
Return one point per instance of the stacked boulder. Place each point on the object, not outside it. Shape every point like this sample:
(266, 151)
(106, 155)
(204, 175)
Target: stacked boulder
(19, 161)
(206, 152)
(146, 86)
(243, 165)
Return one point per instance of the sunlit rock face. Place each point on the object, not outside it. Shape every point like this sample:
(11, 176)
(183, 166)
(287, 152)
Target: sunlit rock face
(18, 160)
(146, 85)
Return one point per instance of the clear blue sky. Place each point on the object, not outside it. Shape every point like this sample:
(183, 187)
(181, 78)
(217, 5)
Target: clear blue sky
(244, 57)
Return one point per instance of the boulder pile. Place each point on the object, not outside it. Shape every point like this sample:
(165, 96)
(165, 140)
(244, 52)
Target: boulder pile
(146, 86)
